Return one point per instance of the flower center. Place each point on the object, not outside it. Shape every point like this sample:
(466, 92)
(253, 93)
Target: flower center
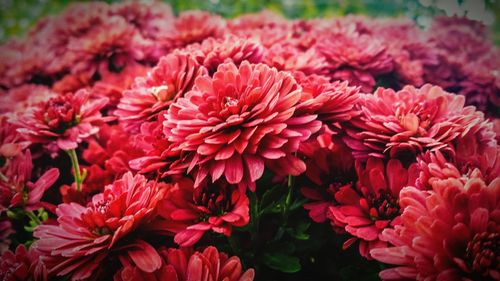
(59, 114)
(215, 198)
(384, 206)
(102, 207)
(230, 102)
(162, 93)
(483, 252)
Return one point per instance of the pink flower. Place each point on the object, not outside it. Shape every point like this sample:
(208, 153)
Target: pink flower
(287, 57)
(185, 264)
(17, 188)
(19, 99)
(190, 211)
(63, 121)
(372, 205)
(21, 265)
(449, 233)
(5, 232)
(238, 121)
(410, 121)
(170, 79)
(214, 51)
(194, 27)
(357, 58)
(84, 237)
(11, 142)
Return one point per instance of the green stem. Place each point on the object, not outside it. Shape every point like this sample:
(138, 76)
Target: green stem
(255, 216)
(288, 199)
(33, 217)
(76, 168)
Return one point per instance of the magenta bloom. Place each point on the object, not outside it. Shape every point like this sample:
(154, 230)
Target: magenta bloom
(63, 121)
(372, 204)
(357, 58)
(238, 121)
(170, 79)
(194, 27)
(190, 211)
(288, 57)
(85, 236)
(5, 231)
(413, 120)
(18, 190)
(187, 265)
(11, 142)
(214, 51)
(21, 265)
(449, 233)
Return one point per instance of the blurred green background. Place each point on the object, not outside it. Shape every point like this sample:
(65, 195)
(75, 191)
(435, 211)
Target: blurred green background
(16, 16)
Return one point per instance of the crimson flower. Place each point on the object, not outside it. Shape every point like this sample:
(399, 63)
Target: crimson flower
(5, 231)
(84, 237)
(63, 121)
(185, 264)
(288, 57)
(451, 232)
(192, 211)
(412, 120)
(195, 26)
(365, 209)
(237, 121)
(17, 188)
(170, 79)
(21, 265)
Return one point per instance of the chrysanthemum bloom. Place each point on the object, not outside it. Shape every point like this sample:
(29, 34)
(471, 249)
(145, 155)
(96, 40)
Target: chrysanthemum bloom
(63, 121)
(410, 121)
(17, 186)
(449, 233)
(170, 79)
(330, 165)
(11, 142)
(238, 121)
(355, 58)
(334, 103)
(370, 206)
(21, 265)
(5, 231)
(19, 99)
(262, 19)
(287, 57)
(194, 27)
(185, 264)
(190, 211)
(85, 237)
(214, 51)
(156, 159)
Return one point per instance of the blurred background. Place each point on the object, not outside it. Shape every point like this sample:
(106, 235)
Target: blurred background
(16, 16)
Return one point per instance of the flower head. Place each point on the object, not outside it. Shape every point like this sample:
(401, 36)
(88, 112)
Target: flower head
(194, 27)
(233, 123)
(192, 211)
(448, 233)
(21, 265)
(84, 237)
(63, 121)
(410, 121)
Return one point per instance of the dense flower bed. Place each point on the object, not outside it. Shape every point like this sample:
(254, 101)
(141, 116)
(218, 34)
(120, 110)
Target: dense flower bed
(136, 144)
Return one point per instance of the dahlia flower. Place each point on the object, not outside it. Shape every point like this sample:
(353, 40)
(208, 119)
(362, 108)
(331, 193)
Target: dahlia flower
(214, 51)
(21, 265)
(330, 165)
(170, 79)
(194, 27)
(449, 233)
(239, 121)
(85, 237)
(19, 99)
(17, 188)
(185, 264)
(357, 58)
(192, 211)
(63, 121)
(288, 57)
(365, 209)
(413, 120)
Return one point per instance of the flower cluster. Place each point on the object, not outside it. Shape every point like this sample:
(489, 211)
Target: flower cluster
(138, 145)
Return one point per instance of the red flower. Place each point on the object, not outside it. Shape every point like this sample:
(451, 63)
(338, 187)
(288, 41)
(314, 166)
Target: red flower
(357, 58)
(449, 233)
(330, 165)
(63, 121)
(287, 57)
(21, 265)
(185, 264)
(5, 232)
(17, 187)
(85, 236)
(238, 120)
(410, 121)
(11, 142)
(214, 51)
(194, 27)
(170, 79)
(19, 99)
(370, 206)
(192, 211)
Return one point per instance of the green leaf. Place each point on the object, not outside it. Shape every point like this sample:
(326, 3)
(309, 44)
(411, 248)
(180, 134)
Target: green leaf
(282, 262)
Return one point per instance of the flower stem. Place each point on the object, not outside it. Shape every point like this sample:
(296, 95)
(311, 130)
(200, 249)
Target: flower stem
(288, 199)
(76, 168)
(33, 217)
